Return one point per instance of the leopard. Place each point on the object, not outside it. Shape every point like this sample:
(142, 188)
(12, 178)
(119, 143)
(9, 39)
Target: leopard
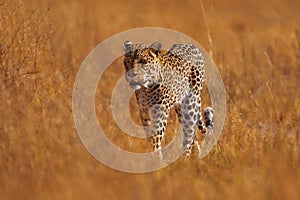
(163, 80)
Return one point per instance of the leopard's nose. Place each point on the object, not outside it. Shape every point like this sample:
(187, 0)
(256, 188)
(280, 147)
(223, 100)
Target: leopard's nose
(132, 73)
(129, 76)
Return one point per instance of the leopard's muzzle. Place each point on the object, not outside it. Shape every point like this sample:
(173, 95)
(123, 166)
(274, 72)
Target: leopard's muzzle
(135, 81)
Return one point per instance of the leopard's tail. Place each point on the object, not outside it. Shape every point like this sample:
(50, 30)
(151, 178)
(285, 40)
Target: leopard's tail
(209, 119)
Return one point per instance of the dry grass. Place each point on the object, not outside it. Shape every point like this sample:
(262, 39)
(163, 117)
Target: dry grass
(255, 46)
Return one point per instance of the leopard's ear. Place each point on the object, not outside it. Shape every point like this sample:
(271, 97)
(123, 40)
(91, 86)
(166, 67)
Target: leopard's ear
(155, 49)
(127, 46)
(154, 53)
(156, 46)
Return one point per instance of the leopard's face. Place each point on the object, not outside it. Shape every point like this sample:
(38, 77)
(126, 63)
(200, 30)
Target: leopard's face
(142, 65)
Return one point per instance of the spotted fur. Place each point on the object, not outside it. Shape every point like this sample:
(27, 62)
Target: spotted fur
(162, 81)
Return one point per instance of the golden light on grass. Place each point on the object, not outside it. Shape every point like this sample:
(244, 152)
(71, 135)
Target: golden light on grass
(255, 46)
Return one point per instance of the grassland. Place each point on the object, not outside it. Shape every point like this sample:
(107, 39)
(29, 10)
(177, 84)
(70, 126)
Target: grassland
(256, 46)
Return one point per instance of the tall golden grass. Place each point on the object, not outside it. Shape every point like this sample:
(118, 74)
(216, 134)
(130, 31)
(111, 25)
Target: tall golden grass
(255, 46)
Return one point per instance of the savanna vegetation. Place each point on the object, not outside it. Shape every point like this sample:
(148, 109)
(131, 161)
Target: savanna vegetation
(256, 46)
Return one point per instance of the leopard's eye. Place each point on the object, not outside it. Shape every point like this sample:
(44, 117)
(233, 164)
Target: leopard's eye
(142, 61)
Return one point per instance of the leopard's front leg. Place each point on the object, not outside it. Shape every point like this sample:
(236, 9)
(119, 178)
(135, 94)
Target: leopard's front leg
(142, 100)
(159, 115)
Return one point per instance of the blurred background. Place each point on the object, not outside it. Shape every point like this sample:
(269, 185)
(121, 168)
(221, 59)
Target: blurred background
(255, 45)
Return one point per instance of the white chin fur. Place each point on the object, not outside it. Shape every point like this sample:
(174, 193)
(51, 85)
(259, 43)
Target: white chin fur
(135, 87)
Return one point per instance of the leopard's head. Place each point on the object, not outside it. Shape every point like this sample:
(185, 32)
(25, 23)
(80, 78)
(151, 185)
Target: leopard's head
(142, 64)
